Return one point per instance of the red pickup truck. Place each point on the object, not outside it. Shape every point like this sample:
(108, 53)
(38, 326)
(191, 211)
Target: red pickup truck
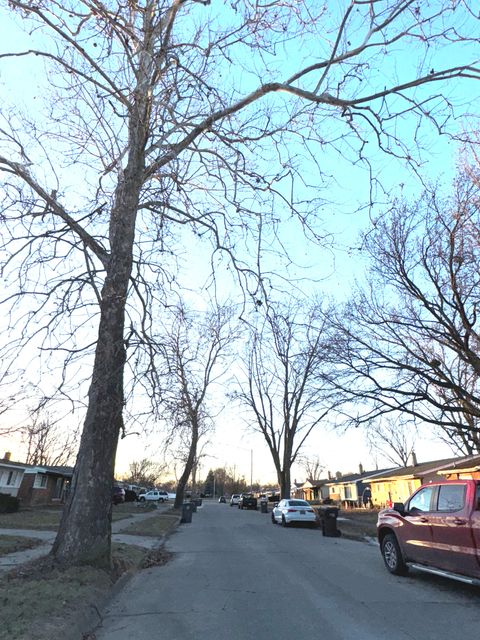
(436, 530)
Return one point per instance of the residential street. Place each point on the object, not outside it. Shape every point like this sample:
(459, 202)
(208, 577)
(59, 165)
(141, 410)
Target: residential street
(235, 576)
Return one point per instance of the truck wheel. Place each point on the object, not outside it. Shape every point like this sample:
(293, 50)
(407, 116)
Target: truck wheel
(392, 556)
(273, 519)
(141, 499)
(284, 522)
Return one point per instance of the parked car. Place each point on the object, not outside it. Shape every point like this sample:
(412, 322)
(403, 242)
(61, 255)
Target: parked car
(436, 530)
(247, 501)
(130, 495)
(153, 496)
(291, 510)
(234, 499)
(118, 495)
(222, 499)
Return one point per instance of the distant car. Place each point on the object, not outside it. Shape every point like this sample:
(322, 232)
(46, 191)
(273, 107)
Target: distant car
(291, 510)
(222, 499)
(247, 501)
(153, 496)
(235, 499)
(118, 495)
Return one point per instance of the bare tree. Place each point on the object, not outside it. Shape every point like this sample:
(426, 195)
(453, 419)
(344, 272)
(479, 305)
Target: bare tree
(312, 467)
(48, 443)
(146, 473)
(172, 113)
(410, 342)
(284, 393)
(393, 439)
(195, 352)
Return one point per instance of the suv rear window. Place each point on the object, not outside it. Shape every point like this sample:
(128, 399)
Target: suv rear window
(451, 497)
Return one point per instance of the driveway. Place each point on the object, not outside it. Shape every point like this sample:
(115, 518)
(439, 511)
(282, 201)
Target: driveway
(235, 576)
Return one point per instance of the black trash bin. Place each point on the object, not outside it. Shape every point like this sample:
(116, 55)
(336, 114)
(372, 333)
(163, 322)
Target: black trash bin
(198, 502)
(263, 506)
(186, 513)
(194, 506)
(328, 517)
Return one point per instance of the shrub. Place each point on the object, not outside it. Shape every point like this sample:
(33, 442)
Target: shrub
(8, 503)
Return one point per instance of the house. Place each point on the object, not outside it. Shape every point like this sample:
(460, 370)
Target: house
(296, 490)
(348, 489)
(315, 490)
(467, 467)
(11, 475)
(34, 484)
(44, 485)
(398, 484)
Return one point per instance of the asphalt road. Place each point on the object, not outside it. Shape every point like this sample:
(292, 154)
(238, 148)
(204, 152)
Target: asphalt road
(236, 576)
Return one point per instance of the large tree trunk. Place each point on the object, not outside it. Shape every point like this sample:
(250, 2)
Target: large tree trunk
(192, 454)
(284, 482)
(85, 530)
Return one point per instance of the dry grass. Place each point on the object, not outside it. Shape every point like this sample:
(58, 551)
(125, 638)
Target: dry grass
(10, 544)
(40, 601)
(156, 526)
(44, 519)
(48, 518)
(358, 524)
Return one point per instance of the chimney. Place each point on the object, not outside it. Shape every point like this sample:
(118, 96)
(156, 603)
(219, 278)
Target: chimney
(413, 459)
(7, 456)
(330, 477)
(360, 469)
(338, 475)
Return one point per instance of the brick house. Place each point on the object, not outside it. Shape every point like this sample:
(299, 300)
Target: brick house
(34, 484)
(44, 485)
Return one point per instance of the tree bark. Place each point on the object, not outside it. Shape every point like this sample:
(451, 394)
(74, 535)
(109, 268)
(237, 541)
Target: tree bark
(85, 529)
(192, 454)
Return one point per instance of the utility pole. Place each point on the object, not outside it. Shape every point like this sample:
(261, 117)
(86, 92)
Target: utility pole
(251, 470)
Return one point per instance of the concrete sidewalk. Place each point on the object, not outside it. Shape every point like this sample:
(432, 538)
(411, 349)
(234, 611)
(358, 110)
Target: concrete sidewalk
(11, 560)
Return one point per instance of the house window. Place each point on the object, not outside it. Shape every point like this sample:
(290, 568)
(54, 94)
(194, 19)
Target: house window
(12, 478)
(40, 481)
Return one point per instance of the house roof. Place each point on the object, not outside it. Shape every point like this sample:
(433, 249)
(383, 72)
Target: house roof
(67, 472)
(357, 477)
(61, 471)
(311, 484)
(470, 463)
(417, 470)
(10, 463)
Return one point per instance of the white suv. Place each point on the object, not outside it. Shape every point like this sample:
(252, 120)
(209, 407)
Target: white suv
(157, 496)
(235, 499)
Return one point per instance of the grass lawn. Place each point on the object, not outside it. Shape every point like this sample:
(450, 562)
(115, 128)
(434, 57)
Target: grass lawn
(48, 518)
(41, 602)
(42, 518)
(358, 524)
(10, 544)
(155, 526)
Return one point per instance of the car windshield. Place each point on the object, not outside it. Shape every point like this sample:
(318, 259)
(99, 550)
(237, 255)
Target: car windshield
(298, 503)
